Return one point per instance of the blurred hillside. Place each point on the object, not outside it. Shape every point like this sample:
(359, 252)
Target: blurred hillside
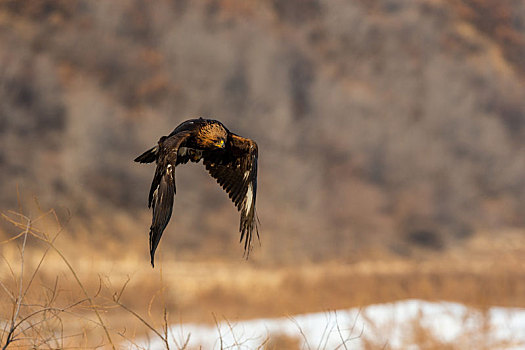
(385, 125)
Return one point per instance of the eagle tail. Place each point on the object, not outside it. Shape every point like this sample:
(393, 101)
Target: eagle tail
(149, 156)
(162, 201)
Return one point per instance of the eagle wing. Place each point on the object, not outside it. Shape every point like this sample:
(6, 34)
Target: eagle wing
(162, 191)
(235, 169)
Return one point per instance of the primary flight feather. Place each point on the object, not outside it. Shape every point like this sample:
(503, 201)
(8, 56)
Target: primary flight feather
(229, 158)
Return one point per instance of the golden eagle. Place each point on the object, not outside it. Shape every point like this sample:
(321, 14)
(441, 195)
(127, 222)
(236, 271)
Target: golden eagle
(229, 158)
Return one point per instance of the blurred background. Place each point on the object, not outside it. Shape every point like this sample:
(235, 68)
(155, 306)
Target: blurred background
(381, 124)
(388, 130)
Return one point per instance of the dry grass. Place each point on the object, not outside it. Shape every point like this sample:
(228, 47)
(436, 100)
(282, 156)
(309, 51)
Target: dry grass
(40, 314)
(60, 296)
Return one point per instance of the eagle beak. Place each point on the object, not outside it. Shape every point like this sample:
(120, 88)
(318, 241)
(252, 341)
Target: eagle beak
(221, 144)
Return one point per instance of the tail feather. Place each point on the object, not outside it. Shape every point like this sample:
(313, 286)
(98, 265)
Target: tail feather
(149, 156)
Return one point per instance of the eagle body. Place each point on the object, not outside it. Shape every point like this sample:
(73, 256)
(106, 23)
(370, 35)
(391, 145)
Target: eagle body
(229, 158)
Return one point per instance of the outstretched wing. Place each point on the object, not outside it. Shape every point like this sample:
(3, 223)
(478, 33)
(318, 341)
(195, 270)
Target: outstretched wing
(162, 191)
(235, 169)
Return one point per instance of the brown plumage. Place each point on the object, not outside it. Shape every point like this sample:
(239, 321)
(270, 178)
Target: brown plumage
(229, 158)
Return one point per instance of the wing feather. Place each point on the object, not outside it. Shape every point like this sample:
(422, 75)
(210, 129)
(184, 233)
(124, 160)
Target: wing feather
(235, 169)
(162, 190)
(163, 198)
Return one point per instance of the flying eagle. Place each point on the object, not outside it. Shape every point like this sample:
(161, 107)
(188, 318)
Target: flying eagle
(229, 158)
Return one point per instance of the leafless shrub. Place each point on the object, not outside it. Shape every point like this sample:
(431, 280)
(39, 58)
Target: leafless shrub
(33, 322)
(39, 317)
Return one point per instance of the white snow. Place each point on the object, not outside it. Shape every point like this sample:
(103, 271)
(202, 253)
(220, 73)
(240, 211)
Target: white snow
(385, 325)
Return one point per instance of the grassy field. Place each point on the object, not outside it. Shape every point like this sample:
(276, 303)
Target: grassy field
(65, 294)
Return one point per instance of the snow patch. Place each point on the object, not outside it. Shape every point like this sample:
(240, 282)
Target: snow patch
(384, 324)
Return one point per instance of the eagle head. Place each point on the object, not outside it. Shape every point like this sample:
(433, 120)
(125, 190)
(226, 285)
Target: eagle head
(213, 136)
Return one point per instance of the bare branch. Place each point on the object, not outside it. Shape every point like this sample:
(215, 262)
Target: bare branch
(119, 294)
(95, 310)
(185, 345)
(8, 292)
(326, 333)
(218, 330)
(143, 322)
(20, 296)
(300, 331)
